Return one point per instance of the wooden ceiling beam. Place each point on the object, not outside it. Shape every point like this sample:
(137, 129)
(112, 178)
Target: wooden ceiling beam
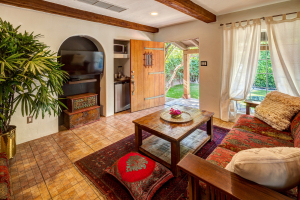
(58, 9)
(195, 42)
(190, 8)
(191, 51)
(180, 45)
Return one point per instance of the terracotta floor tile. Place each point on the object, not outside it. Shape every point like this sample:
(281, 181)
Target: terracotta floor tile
(128, 133)
(101, 144)
(118, 124)
(38, 191)
(57, 198)
(63, 181)
(117, 136)
(79, 191)
(89, 135)
(72, 145)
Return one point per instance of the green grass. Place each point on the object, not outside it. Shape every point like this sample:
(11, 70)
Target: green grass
(258, 92)
(177, 91)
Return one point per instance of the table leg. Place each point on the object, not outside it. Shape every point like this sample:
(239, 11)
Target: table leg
(138, 137)
(175, 158)
(247, 109)
(210, 128)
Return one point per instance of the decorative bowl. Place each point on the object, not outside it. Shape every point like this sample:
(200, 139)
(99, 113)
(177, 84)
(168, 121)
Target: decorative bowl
(182, 118)
(176, 116)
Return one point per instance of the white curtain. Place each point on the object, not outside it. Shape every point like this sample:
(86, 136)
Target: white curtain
(241, 45)
(284, 43)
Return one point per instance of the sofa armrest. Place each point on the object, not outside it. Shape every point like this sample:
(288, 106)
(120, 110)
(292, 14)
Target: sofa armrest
(222, 182)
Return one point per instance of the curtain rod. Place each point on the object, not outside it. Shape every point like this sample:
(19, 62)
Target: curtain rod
(261, 18)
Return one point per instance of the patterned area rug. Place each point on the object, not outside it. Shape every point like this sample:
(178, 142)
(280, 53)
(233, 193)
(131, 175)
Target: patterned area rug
(93, 166)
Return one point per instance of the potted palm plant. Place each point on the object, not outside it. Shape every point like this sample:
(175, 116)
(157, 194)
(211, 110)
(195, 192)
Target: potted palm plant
(30, 78)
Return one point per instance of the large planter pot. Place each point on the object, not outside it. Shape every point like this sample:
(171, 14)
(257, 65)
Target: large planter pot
(8, 142)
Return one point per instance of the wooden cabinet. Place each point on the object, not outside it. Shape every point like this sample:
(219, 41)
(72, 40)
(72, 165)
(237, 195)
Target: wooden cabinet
(82, 109)
(81, 101)
(82, 117)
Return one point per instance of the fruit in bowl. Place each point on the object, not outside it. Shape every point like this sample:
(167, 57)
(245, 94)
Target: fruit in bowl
(175, 113)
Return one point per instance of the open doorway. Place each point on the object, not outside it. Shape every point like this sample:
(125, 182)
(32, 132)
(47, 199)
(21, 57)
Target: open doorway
(182, 73)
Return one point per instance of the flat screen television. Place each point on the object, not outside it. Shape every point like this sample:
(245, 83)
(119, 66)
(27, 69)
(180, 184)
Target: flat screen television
(78, 63)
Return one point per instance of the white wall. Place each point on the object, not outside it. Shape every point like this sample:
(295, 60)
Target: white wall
(56, 29)
(210, 39)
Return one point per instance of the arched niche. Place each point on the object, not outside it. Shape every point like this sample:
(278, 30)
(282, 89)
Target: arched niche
(80, 43)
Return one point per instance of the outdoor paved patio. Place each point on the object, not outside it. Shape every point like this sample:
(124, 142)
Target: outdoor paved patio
(183, 102)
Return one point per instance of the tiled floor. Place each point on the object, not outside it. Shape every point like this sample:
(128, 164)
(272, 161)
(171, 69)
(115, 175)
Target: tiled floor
(43, 169)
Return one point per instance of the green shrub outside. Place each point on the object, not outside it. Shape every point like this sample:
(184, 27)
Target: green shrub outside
(175, 59)
(260, 79)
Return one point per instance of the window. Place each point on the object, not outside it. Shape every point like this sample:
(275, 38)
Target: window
(264, 79)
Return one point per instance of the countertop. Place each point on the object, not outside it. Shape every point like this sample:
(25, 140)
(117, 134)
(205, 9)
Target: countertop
(116, 81)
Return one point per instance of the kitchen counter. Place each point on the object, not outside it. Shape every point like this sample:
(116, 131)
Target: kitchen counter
(116, 81)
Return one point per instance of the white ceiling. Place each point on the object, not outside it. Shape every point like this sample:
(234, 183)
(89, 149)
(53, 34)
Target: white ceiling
(139, 10)
(220, 7)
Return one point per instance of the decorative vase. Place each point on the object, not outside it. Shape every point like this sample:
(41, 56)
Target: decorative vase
(176, 116)
(8, 142)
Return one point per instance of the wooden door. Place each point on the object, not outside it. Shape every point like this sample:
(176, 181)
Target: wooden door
(147, 82)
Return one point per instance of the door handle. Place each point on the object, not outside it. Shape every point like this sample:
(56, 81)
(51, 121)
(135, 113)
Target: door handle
(132, 81)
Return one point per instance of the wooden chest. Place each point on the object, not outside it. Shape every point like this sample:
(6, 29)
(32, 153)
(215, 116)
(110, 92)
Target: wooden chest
(81, 117)
(81, 102)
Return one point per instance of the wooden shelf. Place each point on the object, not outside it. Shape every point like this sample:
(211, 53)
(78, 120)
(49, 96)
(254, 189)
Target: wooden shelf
(161, 149)
(121, 56)
(82, 81)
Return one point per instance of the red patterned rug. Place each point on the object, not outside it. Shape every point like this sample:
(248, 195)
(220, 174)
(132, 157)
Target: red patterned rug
(93, 166)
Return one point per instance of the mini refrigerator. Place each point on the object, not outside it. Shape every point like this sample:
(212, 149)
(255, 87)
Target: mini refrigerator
(122, 96)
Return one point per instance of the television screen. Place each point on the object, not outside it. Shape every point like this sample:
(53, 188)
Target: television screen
(82, 62)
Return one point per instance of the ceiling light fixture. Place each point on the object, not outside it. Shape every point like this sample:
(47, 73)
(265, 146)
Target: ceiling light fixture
(154, 13)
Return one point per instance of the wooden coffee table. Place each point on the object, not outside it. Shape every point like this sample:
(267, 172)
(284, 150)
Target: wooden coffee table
(170, 142)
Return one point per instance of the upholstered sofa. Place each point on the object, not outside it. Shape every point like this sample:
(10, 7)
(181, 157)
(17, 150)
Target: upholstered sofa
(248, 132)
(4, 177)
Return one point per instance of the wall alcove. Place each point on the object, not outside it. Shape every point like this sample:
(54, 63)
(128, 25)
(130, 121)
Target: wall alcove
(80, 43)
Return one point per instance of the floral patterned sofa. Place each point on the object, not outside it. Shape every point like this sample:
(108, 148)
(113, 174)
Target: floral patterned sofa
(250, 132)
(4, 177)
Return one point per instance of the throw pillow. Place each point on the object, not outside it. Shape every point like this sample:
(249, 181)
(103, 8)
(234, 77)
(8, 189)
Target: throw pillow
(276, 168)
(278, 109)
(140, 175)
